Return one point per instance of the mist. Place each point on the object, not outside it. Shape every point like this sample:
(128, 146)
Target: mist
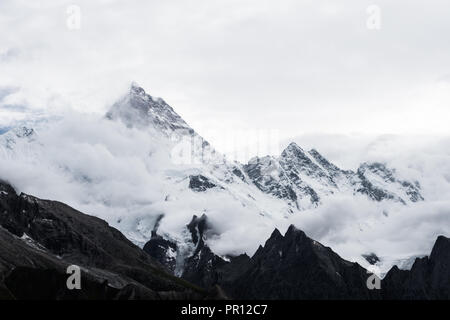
(126, 176)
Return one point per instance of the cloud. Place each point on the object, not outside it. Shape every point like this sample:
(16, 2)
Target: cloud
(394, 233)
(125, 176)
(298, 67)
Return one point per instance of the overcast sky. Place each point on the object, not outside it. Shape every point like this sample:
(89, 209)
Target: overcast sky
(299, 67)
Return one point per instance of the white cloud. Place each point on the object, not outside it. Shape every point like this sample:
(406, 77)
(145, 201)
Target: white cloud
(298, 67)
(125, 176)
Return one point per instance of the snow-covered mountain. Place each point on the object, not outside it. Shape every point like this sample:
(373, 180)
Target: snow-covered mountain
(300, 178)
(139, 109)
(17, 135)
(304, 178)
(147, 172)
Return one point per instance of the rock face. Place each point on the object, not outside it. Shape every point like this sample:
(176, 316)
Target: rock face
(200, 268)
(429, 277)
(371, 258)
(294, 266)
(200, 265)
(162, 250)
(200, 183)
(267, 175)
(139, 109)
(303, 178)
(373, 176)
(287, 267)
(40, 238)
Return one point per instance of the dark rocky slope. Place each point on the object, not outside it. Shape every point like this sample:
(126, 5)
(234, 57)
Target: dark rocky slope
(287, 267)
(294, 266)
(428, 279)
(40, 238)
(200, 268)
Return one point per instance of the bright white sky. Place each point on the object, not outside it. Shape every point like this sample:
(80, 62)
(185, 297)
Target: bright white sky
(296, 67)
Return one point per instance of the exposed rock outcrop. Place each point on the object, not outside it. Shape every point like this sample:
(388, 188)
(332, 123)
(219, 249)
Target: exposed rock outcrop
(39, 239)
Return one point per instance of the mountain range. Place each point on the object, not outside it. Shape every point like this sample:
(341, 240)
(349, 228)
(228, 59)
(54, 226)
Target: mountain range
(41, 238)
(182, 214)
(300, 178)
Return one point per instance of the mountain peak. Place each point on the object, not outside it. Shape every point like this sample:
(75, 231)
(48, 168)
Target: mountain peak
(276, 234)
(136, 89)
(134, 84)
(293, 147)
(292, 229)
(139, 109)
(294, 233)
(441, 247)
(293, 150)
(6, 188)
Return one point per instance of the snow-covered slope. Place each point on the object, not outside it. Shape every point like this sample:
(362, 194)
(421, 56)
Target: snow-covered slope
(304, 178)
(145, 170)
(139, 109)
(17, 136)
